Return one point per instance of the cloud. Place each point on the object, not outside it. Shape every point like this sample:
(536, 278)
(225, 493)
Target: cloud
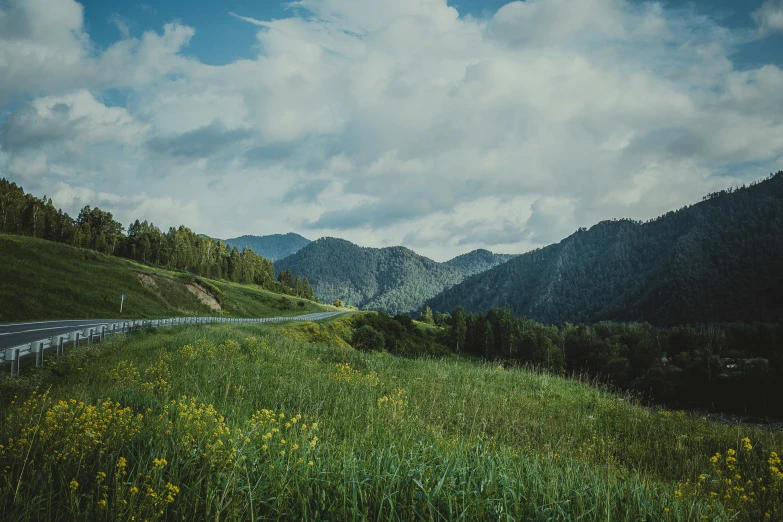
(395, 122)
(121, 23)
(29, 169)
(199, 143)
(769, 17)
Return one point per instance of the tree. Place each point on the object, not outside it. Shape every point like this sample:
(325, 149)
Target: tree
(368, 339)
(426, 316)
(459, 329)
(338, 303)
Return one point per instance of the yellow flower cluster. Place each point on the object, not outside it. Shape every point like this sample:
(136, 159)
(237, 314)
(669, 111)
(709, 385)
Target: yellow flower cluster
(66, 431)
(156, 379)
(396, 403)
(201, 431)
(204, 348)
(280, 439)
(125, 373)
(348, 375)
(744, 481)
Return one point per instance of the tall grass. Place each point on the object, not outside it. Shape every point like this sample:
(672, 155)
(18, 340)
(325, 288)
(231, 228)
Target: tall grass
(242, 423)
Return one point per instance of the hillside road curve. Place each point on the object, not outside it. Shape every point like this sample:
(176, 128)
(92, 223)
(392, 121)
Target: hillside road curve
(17, 334)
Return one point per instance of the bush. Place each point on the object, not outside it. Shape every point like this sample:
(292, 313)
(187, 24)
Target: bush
(368, 339)
(338, 303)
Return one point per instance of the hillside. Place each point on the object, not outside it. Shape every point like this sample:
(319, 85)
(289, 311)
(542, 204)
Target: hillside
(718, 260)
(394, 279)
(272, 247)
(240, 422)
(478, 261)
(46, 280)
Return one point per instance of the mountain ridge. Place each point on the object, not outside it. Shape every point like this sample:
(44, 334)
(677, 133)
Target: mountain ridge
(716, 260)
(271, 246)
(395, 279)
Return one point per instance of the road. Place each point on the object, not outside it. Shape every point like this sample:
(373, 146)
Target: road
(18, 334)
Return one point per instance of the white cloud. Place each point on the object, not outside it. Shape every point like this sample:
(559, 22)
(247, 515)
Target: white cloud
(388, 122)
(769, 16)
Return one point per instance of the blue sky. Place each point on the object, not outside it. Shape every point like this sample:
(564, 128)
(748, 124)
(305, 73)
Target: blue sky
(221, 38)
(440, 126)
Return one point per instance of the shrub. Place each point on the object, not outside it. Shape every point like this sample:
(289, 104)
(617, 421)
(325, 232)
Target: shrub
(368, 339)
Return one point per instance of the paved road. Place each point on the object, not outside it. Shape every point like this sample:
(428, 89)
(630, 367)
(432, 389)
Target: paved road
(17, 334)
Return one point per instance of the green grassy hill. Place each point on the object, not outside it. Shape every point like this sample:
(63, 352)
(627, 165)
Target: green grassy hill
(241, 422)
(45, 280)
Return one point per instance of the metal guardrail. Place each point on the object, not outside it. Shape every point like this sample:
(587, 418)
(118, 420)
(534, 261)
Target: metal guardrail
(80, 336)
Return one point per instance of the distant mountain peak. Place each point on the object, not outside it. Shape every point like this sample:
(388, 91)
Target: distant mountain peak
(273, 246)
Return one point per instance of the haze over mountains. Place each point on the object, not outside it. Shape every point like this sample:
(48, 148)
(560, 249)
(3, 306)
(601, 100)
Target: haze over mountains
(393, 279)
(718, 260)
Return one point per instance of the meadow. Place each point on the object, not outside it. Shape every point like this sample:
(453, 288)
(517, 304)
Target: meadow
(287, 422)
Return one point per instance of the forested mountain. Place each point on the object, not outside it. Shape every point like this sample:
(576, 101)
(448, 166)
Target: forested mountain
(478, 261)
(272, 247)
(718, 260)
(393, 279)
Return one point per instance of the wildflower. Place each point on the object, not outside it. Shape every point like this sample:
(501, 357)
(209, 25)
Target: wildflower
(101, 503)
(159, 463)
(73, 485)
(746, 445)
(310, 463)
(101, 476)
(678, 493)
(134, 490)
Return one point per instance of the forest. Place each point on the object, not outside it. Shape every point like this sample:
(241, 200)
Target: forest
(724, 368)
(178, 249)
(719, 260)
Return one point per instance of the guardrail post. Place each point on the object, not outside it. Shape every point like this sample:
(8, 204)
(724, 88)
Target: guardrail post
(89, 339)
(78, 334)
(60, 346)
(103, 332)
(14, 362)
(38, 349)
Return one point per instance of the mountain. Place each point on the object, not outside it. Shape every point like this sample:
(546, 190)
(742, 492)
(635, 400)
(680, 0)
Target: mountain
(272, 247)
(478, 261)
(393, 279)
(718, 260)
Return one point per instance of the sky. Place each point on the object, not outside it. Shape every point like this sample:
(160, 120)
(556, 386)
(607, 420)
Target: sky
(440, 126)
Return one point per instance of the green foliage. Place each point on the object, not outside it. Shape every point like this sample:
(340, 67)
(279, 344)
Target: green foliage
(394, 279)
(46, 280)
(338, 303)
(426, 316)
(401, 336)
(731, 368)
(368, 339)
(716, 261)
(272, 247)
(478, 261)
(178, 249)
(389, 439)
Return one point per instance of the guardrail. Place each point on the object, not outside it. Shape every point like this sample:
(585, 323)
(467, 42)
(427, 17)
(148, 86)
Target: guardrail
(93, 334)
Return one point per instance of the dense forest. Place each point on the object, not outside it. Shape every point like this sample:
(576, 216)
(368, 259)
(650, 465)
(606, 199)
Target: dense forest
(720, 260)
(178, 248)
(272, 247)
(478, 261)
(393, 279)
(729, 368)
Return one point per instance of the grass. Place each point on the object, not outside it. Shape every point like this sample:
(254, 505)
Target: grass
(256, 422)
(46, 280)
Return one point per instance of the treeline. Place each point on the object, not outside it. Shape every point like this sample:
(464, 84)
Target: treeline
(178, 248)
(732, 368)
